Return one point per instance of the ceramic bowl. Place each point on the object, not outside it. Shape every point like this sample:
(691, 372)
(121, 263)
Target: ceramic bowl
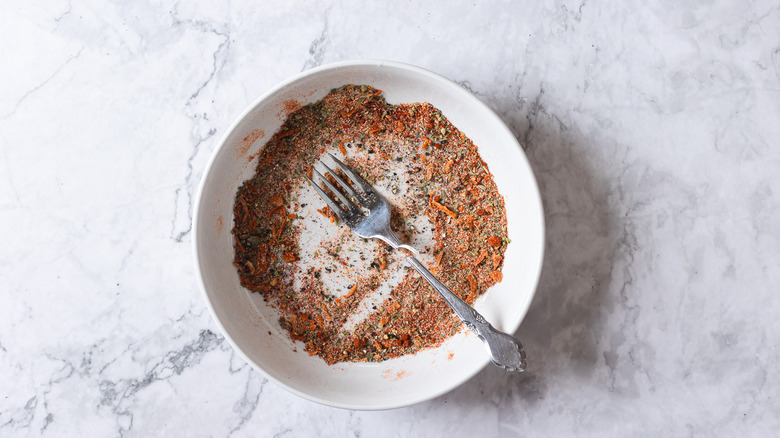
(251, 327)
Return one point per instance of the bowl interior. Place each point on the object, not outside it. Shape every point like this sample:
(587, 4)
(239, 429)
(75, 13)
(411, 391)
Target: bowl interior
(252, 328)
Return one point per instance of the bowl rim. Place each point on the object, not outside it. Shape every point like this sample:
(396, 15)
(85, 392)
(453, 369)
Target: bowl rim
(467, 95)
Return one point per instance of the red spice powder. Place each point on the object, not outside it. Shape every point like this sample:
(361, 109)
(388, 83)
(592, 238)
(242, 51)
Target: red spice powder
(220, 223)
(248, 141)
(290, 106)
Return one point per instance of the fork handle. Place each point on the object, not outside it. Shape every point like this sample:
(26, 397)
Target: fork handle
(505, 350)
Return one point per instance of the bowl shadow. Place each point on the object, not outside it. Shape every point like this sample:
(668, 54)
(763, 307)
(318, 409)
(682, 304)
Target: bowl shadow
(562, 326)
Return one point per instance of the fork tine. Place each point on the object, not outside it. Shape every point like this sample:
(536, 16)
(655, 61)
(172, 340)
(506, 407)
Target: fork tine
(360, 182)
(349, 204)
(347, 188)
(331, 204)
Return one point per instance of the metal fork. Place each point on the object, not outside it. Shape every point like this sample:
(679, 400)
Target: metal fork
(367, 213)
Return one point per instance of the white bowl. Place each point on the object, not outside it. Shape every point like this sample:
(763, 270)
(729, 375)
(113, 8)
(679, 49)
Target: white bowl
(251, 327)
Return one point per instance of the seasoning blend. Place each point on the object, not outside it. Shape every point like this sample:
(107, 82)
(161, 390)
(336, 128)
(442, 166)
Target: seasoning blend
(349, 299)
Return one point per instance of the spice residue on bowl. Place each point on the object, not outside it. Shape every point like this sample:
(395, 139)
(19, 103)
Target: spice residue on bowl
(349, 299)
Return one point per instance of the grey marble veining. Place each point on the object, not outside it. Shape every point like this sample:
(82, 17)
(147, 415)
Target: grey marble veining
(652, 128)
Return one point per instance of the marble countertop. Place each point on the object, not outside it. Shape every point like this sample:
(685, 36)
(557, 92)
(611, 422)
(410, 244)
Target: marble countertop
(652, 127)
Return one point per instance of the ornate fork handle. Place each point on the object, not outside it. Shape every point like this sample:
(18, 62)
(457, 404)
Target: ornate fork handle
(505, 351)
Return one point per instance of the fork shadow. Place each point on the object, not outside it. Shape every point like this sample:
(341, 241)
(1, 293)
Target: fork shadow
(560, 330)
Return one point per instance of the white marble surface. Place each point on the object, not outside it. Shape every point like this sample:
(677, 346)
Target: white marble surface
(653, 128)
